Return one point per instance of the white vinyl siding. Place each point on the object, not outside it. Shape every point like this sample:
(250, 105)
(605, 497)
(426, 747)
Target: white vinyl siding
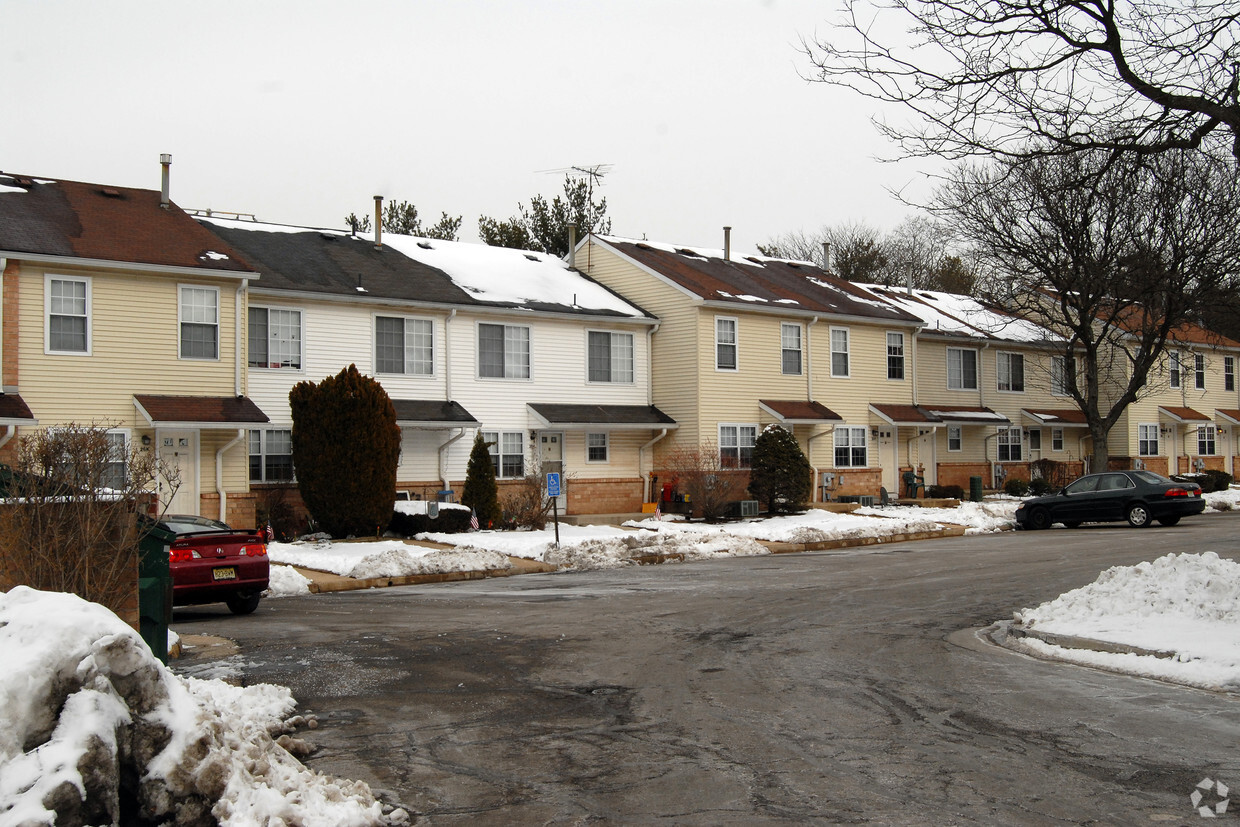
(404, 345)
(67, 313)
(199, 321)
(839, 352)
(275, 338)
(503, 351)
(725, 343)
(961, 369)
(850, 447)
(610, 357)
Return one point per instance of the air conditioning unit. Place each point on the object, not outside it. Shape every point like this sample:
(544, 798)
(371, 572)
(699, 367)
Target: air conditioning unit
(749, 508)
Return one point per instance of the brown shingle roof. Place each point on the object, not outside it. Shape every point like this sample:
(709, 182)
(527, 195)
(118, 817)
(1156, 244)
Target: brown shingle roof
(13, 407)
(1183, 414)
(800, 411)
(611, 416)
(120, 224)
(218, 411)
(904, 414)
(432, 410)
(1057, 416)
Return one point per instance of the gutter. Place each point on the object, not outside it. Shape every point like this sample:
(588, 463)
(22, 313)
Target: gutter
(447, 355)
(813, 497)
(809, 364)
(11, 429)
(239, 304)
(219, 473)
(108, 264)
(443, 458)
(650, 363)
(641, 452)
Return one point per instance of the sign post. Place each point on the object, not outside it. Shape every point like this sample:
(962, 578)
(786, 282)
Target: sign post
(553, 491)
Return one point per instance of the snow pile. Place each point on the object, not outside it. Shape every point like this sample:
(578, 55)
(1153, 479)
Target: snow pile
(420, 506)
(383, 558)
(1187, 605)
(625, 550)
(286, 581)
(1228, 500)
(88, 718)
(812, 526)
(986, 517)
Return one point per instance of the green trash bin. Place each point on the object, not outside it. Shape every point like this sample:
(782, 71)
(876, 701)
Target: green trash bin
(975, 489)
(155, 588)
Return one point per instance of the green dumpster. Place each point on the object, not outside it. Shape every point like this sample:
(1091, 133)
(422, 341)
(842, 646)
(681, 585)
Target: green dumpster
(975, 489)
(155, 588)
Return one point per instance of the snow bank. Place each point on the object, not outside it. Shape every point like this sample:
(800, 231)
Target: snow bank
(286, 581)
(1186, 604)
(382, 558)
(89, 717)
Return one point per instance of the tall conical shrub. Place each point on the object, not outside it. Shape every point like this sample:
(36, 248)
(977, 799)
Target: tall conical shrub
(780, 475)
(481, 492)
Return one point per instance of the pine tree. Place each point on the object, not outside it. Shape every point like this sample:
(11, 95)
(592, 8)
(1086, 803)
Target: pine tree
(481, 492)
(346, 445)
(543, 227)
(780, 474)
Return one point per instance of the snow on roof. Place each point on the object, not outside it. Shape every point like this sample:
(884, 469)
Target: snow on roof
(955, 313)
(7, 188)
(734, 254)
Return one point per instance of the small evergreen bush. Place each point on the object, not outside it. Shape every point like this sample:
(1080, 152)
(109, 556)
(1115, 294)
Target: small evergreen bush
(945, 492)
(1039, 488)
(449, 521)
(1016, 487)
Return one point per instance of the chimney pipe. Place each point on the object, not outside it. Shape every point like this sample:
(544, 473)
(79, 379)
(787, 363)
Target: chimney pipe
(727, 243)
(572, 245)
(826, 256)
(165, 160)
(378, 222)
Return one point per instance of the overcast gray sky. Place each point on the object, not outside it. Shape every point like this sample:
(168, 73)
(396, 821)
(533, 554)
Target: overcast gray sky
(300, 111)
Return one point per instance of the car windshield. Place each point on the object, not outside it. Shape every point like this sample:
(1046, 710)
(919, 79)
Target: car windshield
(1083, 485)
(193, 525)
(1150, 476)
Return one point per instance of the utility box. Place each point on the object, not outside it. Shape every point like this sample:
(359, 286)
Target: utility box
(155, 588)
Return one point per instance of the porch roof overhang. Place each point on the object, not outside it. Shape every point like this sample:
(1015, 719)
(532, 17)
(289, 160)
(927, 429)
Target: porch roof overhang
(15, 411)
(793, 412)
(967, 415)
(1176, 414)
(906, 415)
(1056, 417)
(434, 414)
(1231, 415)
(199, 412)
(573, 417)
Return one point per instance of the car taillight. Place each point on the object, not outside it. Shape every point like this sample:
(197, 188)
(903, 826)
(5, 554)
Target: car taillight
(254, 551)
(1177, 492)
(180, 555)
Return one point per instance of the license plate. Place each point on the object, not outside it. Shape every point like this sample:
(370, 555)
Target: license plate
(226, 574)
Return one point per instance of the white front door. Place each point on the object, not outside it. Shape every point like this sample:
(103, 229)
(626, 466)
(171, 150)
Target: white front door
(178, 454)
(551, 456)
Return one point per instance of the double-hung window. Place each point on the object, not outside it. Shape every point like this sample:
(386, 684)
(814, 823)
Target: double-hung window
(839, 352)
(200, 322)
(895, 355)
(404, 345)
(68, 315)
(507, 449)
(1199, 371)
(850, 448)
(504, 351)
(271, 456)
(1059, 376)
(1009, 445)
(1147, 440)
(610, 357)
(1206, 444)
(955, 437)
(1010, 371)
(116, 470)
(1229, 373)
(1056, 439)
(1173, 368)
(725, 343)
(596, 447)
(275, 338)
(961, 369)
(736, 445)
(790, 348)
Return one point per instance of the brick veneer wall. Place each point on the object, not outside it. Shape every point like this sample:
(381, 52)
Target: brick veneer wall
(604, 496)
(241, 506)
(958, 473)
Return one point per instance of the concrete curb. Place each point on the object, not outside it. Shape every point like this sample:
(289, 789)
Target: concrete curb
(1018, 633)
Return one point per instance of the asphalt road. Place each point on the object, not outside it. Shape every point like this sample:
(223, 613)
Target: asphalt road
(829, 688)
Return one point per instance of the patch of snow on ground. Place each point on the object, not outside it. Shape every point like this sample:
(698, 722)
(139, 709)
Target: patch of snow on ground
(1188, 604)
(1228, 500)
(382, 558)
(286, 581)
(814, 525)
(986, 517)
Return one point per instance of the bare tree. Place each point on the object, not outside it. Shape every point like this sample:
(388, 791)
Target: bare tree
(1114, 253)
(999, 76)
(700, 473)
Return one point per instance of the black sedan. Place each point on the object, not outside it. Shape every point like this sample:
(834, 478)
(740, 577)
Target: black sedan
(1136, 496)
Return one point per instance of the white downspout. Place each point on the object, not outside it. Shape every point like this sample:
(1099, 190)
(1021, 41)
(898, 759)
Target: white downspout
(12, 429)
(447, 356)
(809, 369)
(240, 308)
(4, 262)
(219, 473)
(650, 368)
(1080, 447)
(641, 453)
(443, 457)
(810, 451)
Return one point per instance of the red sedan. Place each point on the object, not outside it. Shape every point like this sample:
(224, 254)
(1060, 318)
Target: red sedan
(211, 562)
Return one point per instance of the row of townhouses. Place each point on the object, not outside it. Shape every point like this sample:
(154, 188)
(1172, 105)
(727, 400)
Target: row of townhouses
(183, 334)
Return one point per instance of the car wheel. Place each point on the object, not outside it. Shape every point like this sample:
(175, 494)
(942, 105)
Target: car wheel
(1138, 515)
(1039, 519)
(1073, 524)
(243, 604)
(1168, 520)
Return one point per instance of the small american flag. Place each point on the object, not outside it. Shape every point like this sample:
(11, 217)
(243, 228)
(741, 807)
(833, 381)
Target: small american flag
(271, 535)
(473, 520)
(658, 510)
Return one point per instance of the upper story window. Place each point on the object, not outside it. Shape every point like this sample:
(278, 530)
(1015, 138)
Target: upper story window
(1199, 371)
(850, 448)
(1173, 368)
(1147, 440)
(507, 449)
(1010, 372)
(790, 348)
(1059, 376)
(895, 355)
(271, 456)
(961, 369)
(610, 357)
(736, 445)
(275, 338)
(1229, 373)
(200, 322)
(404, 345)
(725, 343)
(67, 301)
(504, 351)
(839, 351)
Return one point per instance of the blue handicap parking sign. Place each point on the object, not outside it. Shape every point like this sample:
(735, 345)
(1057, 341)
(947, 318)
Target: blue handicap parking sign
(553, 485)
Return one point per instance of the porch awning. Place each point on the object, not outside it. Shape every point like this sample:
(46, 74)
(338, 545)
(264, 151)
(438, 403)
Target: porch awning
(899, 415)
(431, 413)
(1231, 415)
(1182, 414)
(1056, 417)
(199, 412)
(15, 411)
(792, 412)
(568, 417)
(968, 415)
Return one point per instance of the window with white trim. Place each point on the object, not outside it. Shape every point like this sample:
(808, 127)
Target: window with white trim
(116, 470)
(895, 355)
(1199, 371)
(725, 343)
(404, 345)
(955, 437)
(1173, 368)
(610, 357)
(961, 369)
(736, 444)
(850, 447)
(790, 348)
(1147, 440)
(1009, 445)
(275, 338)
(199, 318)
(503, 351)
(67, 305)
(1229, 373)
(1059, 376)
(596, 447)
(839, 352)
(1010, 372)
(271, 456)
(1206, 440)
(507, 449)
(1035, 439)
